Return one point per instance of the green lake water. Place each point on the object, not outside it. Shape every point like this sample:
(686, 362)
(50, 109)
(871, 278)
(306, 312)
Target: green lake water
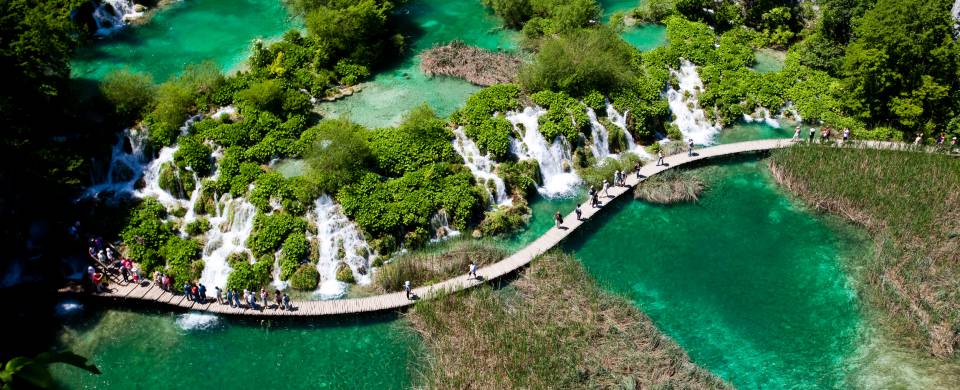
(746, 281)
(186, 32)
(395, 91)
(768, 61)
(152, 350)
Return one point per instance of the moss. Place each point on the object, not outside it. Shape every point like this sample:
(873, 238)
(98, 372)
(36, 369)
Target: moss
(199, 226)
(305, 278)
(344, 273)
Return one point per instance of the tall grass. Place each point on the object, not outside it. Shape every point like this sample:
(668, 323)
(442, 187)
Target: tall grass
(423, 268)
(670, 187)
(910, 201)
(553, 328)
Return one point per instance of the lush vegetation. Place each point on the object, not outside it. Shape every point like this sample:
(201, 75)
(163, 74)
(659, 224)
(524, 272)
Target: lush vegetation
(483, 120)
(908, 200)
(553, 328)
(669, 187)
(427, 268)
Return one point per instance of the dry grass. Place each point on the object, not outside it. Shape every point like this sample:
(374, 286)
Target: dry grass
(672, 186)
(910, 202)
(422, 268)
(478, 66)
(553, 328)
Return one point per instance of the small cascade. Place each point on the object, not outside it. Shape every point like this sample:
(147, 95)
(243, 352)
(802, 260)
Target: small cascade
(554, 159)
(601, 137)
(481, 166)
(125, 168)
(112, 15)
(339, 241)
(151, 178)
(440, 224)
(230, 228)
(620, 120)
(762, 115)
(278, 283)
(684, 103)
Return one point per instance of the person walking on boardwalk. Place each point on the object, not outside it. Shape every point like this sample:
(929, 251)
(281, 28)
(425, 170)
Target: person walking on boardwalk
(846, 135)
(125, 274)
(407, 288)
(690, 147)
(219, 293)
(593, 197)
(637, 168)
(916, 141)
(286, 302)
(236, 298)
(278, 298)
(263, 297)
(558, 218)
(230, 297)
(186, 291)
(579, 212)
(473, 270)
(202, 293)
(813, 131)
(195, 291)
(659, 160)
(796, 134)
(606, 186)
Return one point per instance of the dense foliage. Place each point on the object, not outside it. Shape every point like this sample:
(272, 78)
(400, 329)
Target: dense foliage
(580, 62)
(545, 17)
(421, 139)
(483, 121)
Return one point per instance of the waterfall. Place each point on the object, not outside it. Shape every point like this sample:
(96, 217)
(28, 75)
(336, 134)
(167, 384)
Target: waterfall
(230, 228)
(554, 159)
(481, 166)
(620, 120)
(125, 169)
(112, 15)
(151, 179)
(762, 114)
(689, 117)
(440, 225)
(338, 240)
(601, 138)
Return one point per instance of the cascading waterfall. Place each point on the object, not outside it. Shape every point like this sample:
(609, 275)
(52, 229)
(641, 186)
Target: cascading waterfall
(688, 116)
(440, 224)
(762, 114)
(554, 159)
(112, 15)
(481, 166)
(339, 241)
(230, 228)
(601, 137)
(620, 120)
(125, 168)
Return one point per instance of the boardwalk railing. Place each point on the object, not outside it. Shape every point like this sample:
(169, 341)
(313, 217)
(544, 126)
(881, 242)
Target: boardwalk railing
(490, 272)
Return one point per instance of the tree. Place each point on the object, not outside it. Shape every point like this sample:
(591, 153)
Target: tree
(130, 93)
(902, 64)
(580, 62)
(340, 153)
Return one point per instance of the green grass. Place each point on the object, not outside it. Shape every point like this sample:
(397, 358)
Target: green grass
(910, 201)
(552, 328)
(428, 267)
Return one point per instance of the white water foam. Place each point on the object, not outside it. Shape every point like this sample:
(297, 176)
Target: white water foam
(335, 230)
(482, 166)
(762, 114)
(600, 137)
(197, 321)
(440, 225)
(112, 15)
(684, 103)
(230, 228)
(620, 120)
(554, 159)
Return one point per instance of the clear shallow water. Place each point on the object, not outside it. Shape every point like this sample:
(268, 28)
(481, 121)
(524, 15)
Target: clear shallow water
(750, 131)
(151, 350)
(768, 61)
(186, 32)
(395, 91)
(645, 37)
(745, 280)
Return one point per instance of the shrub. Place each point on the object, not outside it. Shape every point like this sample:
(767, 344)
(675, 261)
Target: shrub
(520, 177)
(294, 251)
(145, 233)
(506, 220)
(246, 275)
(491, 133)
(421, 139)
(579, 63)
(270, 231)
(350, 74)
(182, 256)
(596, 101)
(195, 154)
(344, 273)
(263, 95)
(270, 185)
(305, 278)
(565, 116)
(199, 226)
(130, 93)
(340, 154)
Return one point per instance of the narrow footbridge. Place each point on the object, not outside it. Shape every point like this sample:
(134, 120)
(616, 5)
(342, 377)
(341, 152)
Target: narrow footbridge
(550, 239)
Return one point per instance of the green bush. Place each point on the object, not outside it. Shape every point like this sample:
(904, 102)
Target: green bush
(491, 133)
(580, 62)
(565, 116)
(294, 251)
(177, 182)
(195, 154)
(344, 273)
(182, 257)
(596, 101)
(340, 153)
(595, 175)
(505, 220)
(421, 139)
(145, 233)
(199, 226)
(270, 231)
(520, 177)
(264, 95)
(305, 278)
(270, 185)
(350, 74)
(130, 93)
(249, 276)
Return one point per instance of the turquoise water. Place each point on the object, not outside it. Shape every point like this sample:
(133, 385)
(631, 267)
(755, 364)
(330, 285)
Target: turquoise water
(186, 32)
(153, 350)
(541, 218)
(744, 131)
(645, 37)
(395, 91)
(747, 281)
(768, 61)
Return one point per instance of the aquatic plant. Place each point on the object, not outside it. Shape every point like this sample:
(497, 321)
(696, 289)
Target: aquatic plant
(476, 65)
(672, 186)
(422, 268)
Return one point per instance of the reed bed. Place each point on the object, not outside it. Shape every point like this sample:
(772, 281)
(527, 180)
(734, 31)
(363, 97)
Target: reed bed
(423, 268)
(478, 66)
(910, 202)
(553, 328)
(673, 186)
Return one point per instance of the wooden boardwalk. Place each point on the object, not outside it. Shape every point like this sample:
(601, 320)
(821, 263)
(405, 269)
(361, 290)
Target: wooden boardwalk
(493, 271)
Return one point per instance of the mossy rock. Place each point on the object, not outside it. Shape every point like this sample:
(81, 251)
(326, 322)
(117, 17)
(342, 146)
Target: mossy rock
(200, 226)
(345, 274)
(178, 182)
(238, 257)
(305, 278)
